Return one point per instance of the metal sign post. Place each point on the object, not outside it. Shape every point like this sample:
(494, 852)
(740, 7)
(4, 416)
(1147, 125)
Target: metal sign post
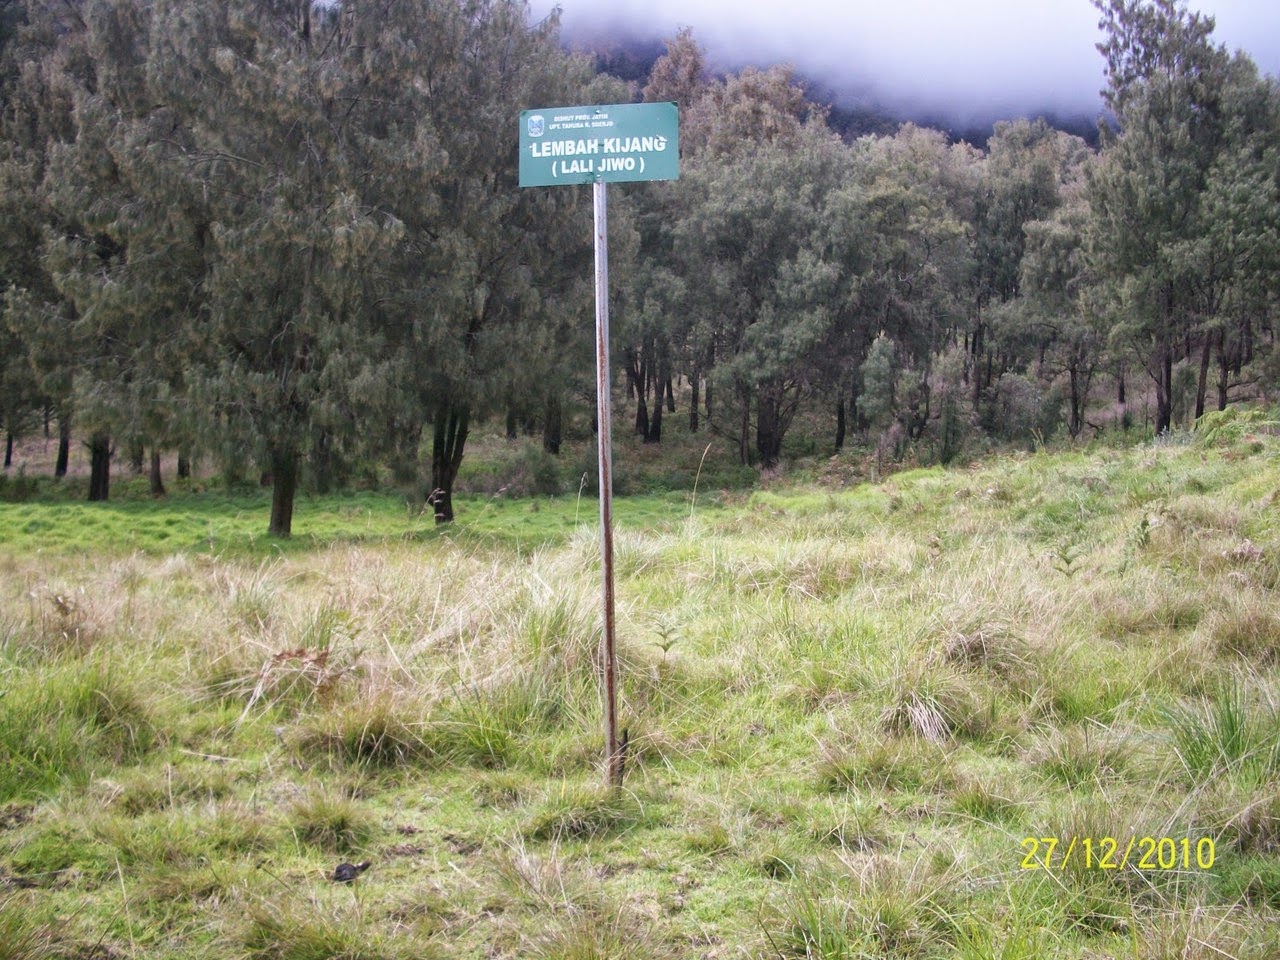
(599, 145)
(604, 435)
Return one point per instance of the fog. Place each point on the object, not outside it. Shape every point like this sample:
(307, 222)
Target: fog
(963, 62)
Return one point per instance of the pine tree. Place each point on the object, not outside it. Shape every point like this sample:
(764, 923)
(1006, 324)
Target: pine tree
(132, 269)
(485, 265)
(281, 128)
(1166, 80)
(760, 278)
(43, 61)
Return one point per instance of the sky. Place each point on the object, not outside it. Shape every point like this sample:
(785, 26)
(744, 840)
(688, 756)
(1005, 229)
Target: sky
(962, 60)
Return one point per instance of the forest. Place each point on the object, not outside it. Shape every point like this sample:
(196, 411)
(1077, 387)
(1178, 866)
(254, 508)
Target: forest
(285, 238)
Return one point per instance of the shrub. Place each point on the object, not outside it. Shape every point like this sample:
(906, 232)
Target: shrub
(1229, 733)
(897, 910)
(62, 724)
(523, 471)
(335, 825)
(19, 488)
(1013, 410)
(582, 813)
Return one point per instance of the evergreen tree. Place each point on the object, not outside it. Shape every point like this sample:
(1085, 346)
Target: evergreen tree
(654, 337)
(132, 271)
(1166, 82)
(1018, 183)
(908, 197)
(1061, 305)
(487, 272)
(44, 62)
(766, 289)
(282, 125)
(1239, 248)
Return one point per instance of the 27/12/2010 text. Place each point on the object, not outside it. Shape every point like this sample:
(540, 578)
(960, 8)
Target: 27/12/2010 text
(1109, 853)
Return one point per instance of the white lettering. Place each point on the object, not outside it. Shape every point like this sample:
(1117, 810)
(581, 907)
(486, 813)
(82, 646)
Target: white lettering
(563, 148)
(634, 144)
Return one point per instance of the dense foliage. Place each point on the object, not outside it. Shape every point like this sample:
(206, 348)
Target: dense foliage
(288, 235)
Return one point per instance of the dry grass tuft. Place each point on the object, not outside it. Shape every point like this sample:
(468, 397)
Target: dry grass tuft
(1248, 628)
(889, 764)
(1082, 755)
(937, 705)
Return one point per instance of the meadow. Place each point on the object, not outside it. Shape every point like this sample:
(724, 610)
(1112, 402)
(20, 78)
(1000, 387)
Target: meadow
(1025, 708)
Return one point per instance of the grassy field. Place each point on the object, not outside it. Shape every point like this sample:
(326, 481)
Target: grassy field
(1030, 708)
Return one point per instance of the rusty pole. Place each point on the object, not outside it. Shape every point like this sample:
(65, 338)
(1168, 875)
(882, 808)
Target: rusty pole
(604, 434)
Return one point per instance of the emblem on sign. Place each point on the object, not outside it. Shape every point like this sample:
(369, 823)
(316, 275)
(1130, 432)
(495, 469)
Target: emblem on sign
(537, 126)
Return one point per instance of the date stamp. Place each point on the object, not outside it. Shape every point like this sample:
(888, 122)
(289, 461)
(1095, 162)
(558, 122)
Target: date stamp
(1112, 853)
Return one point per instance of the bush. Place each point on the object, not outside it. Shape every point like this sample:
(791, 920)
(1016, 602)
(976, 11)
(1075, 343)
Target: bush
(61, 725)
(19, 488)
(524, 471)
(1013, 409)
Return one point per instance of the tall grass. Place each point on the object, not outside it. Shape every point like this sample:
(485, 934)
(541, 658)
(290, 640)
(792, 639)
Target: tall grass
(27, 932)
(1232, 732)
(60, 724)
(883, 909)
(846, 708)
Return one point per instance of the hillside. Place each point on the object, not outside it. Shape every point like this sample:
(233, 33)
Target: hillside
(1028, 708)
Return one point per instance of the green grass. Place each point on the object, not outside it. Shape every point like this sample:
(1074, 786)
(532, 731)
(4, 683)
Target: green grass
(235, 524)
(58, 724)
(847, 708)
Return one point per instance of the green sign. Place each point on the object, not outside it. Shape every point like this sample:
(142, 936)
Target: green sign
(608, 144)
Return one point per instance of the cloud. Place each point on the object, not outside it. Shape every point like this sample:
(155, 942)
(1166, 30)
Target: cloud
(979, 59)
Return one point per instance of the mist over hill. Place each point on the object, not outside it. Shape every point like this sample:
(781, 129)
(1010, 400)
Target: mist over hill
(956, 67)
(854, 110)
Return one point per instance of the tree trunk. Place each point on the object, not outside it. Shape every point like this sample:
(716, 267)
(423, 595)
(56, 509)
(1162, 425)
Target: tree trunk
(1224, 370)
(744, 432)
(671, 397)
(137, 457)
(513, 421)
(157, 483)
(693, 402)
(321, 462)
(64, 445)
(768, 431)
(840, 424)
(951, 434)
(552, 425)
(447, 444)
(284, 485)
(976, 353)
(1202, 383)
(661, 386)
(1164, 390)
(1075, 407)
(637, 386)
(654, 434)
(8, 449)
(184, 464)
(99, 467)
